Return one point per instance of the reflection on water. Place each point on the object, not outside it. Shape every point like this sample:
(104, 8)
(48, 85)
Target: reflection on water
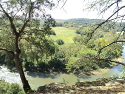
(41, 75)
(36, 81)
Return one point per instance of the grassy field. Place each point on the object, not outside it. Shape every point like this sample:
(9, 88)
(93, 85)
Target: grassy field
(65, 34)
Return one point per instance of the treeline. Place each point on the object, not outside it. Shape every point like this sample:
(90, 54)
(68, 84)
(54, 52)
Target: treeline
(84, 22)
(40, 53)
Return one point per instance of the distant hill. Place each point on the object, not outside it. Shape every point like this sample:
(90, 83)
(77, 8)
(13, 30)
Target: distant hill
(81, 20)
(60, 20)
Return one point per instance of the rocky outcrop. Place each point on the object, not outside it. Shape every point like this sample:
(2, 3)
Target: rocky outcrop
(50, 88)
(115, 82)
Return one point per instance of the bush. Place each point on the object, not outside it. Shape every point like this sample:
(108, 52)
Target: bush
(60, 41)
(15, 89)
(6, 88)
(29, 66)
(78, 31)
(86, 63)
(57, 65)
(42, 67)
(53, 33)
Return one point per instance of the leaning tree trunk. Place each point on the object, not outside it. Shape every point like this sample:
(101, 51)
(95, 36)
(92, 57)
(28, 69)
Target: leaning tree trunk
(25, 83)
(16, 54)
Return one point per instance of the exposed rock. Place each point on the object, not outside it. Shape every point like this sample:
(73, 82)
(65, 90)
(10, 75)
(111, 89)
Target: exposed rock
(41, 89)
(100, 86)
(115, 82)
(51, 88)
(112, 83)
(121, 80)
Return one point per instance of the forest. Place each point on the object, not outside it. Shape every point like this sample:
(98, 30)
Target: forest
(65, 49)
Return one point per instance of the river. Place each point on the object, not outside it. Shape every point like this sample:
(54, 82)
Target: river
(39, 79)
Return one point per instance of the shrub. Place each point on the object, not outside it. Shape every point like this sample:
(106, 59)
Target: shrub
(57, 65)
(29, 66)
(7, 88)
(42, 67)
(53, 33)
(14, 89)
(60, 41)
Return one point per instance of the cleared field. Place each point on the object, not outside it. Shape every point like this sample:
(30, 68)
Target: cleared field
(65, 34)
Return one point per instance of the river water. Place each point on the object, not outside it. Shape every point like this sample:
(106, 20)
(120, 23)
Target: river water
(39, 79)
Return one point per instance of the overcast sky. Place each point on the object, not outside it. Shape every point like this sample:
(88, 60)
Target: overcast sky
(73, 9)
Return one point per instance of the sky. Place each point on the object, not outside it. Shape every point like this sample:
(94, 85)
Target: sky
(73, 9)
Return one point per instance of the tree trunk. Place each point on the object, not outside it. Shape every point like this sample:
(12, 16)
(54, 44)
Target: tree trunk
(25, 83)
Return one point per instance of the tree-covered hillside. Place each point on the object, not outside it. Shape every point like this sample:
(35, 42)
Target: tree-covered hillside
(84, 20)
(76, 22)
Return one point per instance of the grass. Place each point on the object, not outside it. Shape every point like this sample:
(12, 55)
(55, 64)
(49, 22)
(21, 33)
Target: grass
(65, 34)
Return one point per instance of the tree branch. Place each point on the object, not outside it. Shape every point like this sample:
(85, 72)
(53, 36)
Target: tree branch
(4, 49)
(112, 61)
(109, 45)
(91, 34)
(10, 19)
(108, 7)
(28, 19)
(64, 3)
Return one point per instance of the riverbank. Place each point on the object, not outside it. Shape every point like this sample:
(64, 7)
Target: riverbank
(105, 70)
(93, 72)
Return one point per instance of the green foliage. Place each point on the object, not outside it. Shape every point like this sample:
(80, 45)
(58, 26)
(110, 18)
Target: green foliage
(60, 41)
(53, 33)
(29, 66)
(86, 63)
(76, 57)
(40, 51)
(59, 24)
(6, 88)
(78, 39)
(77, 31)
(112, 51)
(80, 22)
(54, 65)
(14, 89)
(57, 65)
(91, 44)
(42, 67)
